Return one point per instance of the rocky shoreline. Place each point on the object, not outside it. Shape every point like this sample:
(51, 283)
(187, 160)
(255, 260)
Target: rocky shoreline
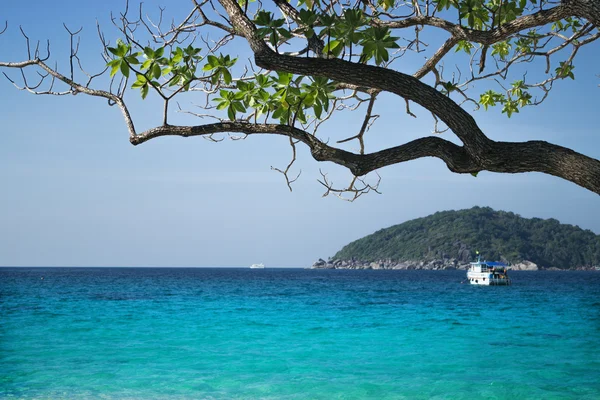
(434, 265)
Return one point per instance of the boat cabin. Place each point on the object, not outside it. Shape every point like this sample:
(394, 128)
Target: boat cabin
(488, 273)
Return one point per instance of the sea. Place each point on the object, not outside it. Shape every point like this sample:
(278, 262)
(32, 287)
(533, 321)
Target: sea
(227, 333)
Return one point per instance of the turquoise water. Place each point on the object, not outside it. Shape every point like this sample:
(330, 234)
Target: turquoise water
(157, 333)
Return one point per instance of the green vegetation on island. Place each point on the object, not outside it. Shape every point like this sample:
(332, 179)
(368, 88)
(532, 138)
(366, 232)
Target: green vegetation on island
(498, 235)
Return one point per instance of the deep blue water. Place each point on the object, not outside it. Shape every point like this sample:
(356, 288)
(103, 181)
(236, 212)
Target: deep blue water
(160, 333)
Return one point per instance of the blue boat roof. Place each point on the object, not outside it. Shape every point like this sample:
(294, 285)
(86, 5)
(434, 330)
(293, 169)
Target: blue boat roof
(494, 264)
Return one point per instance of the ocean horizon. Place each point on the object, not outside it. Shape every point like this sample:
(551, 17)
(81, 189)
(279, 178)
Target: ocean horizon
(294, 333)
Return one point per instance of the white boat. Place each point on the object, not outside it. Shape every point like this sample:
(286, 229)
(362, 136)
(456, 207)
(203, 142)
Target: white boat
(488, 273)
(258, 266)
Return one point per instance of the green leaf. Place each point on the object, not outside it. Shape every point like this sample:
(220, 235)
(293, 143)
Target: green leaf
(448, 87)
(132, 60)
(125, 69)
(240, 95)
(510, 107)
(387, 4)
(115, 68)
(146, 65)
(284, 78)
(308, 17)
(141, 81)
(501, 49)
(273, 39)
(263, 18)
(285, 33)
(278, 112)
(300, 116)
(177, 55)
(121, 49)
(309, 100)
(213, 61)
(144, 91)
(156, 71)
(353, 16)
(278, 23)
(490, 98)
(524, 99)
(464, 46)
(517, 87)
(331, 46)
(231, 113)
(263, 32)
(565, 70)
(149, 53)
(239, 106)
(444, 4)
(318, 110)
(226, 75)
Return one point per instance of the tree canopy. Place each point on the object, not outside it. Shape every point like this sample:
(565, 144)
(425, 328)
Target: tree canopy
(499, 235)
(312, 59)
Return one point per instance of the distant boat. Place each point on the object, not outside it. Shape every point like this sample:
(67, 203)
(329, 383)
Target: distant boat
(258, 266)
(489, 273)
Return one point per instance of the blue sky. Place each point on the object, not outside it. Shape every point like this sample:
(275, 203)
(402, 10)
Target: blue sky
(76, 193)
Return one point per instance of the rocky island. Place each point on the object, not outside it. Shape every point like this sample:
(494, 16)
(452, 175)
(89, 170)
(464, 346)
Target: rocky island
(450, 239)
(440, 264)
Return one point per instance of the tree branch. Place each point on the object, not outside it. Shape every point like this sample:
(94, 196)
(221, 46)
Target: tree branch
(492, 36)
(77, 88)
(478, 152)
(432, 62)
(406, 86)
(504, 157)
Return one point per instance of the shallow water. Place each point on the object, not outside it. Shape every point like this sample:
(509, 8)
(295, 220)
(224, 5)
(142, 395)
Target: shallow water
(149, 333)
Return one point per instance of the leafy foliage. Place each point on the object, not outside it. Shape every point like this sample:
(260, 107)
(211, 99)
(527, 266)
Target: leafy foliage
(350, 32)
(179, 68)
(283, 97)
(496, 234)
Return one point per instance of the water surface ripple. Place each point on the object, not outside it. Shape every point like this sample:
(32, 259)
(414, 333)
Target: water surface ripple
(177, 333)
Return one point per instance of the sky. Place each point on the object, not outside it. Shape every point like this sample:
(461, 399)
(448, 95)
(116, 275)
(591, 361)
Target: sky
(75, 192)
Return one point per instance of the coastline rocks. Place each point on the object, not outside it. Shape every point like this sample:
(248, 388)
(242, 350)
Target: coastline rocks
(438, 264)
(525, 266)
(434, 265)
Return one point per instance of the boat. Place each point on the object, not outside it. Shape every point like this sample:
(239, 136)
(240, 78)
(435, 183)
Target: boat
(257, 266)
(489, 273)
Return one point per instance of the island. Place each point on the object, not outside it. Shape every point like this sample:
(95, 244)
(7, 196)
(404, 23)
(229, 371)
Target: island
(451, 239)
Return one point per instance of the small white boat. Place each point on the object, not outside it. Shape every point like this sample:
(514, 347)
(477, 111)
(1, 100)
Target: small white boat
(488, 273)
(258, 266)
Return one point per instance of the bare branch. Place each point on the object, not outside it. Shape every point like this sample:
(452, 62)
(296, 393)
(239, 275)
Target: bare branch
(78, 88)
(432, 62)
(287, 169)
(365, 125)
(354, 190)
(489, 37)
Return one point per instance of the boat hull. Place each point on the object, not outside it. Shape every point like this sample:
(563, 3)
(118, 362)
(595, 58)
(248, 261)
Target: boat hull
(486, 279)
